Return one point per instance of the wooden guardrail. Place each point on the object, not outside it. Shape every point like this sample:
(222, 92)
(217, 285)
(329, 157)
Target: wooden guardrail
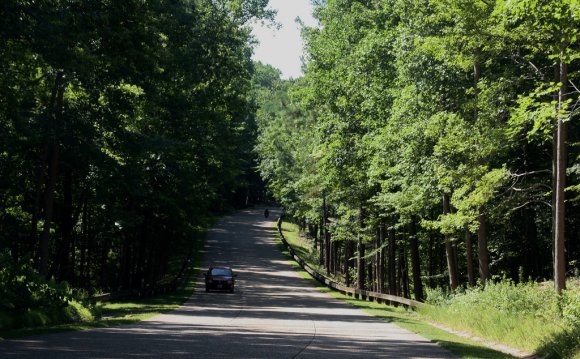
(356, 293)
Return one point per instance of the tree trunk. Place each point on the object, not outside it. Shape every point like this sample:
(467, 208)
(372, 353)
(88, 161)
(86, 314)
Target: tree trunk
(37, 201)
(381, 258)
(530, 255)
(126, 262)
(66, 229)
(561, 163)
(451, 267)
(469, 257)
(554, 167)
(432, 262)
(321, 241)
(327, 254)
(141, 253)
(48, 211)
(331, 260)
(482, 247)
(403, 285)
(360, 249)
(55, 112)
(347, 261)
(392, 263)
(482, 231)
(326, 237)
(416, 263)
(335, 255)
(360, 264)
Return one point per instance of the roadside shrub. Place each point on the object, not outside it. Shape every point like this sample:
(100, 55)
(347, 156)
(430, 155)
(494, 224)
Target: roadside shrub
(28, 300)
(571, 307)
(76, 312)
(438, 296)
(524, 315)
(6, 320)
(34, 318)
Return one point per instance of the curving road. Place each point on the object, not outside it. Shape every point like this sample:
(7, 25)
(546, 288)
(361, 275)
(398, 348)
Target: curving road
(272, 314)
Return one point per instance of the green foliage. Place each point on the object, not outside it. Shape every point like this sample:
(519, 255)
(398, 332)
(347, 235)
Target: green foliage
(27, 300)
(570, 306)
(123, 127)
(404, 103)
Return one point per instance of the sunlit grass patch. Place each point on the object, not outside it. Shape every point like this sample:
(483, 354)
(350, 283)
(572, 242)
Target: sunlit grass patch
(525, 315)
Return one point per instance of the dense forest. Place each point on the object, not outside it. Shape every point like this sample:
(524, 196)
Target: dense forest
(431, 143)
(123, 126)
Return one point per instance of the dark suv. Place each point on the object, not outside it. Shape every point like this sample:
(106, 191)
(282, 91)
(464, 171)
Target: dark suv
(220, 278)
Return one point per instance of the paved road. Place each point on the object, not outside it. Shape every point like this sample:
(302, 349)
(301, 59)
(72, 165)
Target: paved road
(273, 314)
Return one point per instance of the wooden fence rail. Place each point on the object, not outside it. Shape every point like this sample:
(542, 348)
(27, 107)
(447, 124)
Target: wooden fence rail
(356, 293)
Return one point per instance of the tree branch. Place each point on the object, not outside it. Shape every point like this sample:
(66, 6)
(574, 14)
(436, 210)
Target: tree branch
(530, 202)
(530, 173)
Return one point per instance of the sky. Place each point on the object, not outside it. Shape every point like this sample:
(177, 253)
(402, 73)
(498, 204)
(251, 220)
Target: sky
(282, 48)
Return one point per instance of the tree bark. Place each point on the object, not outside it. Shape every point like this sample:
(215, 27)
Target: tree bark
(392, 263)
(451, 267)
(57, 103)
(482, 247)
(360, 264)
(403, 272)
(37, 201)
(66, 229)
(360, 249)
(335, 256)
(432, 262)
(416, 263)
(347, 261)
(381, 258)
(327, 254)
(48, 212)
(469, 257)
(321, 241)
(561, 164)
(55, 109)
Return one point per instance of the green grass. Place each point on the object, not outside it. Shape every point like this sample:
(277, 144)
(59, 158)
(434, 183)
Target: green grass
(303, 247)
(409, 320)
(524, 315)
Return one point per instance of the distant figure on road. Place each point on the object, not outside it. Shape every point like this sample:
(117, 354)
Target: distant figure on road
(266, 213)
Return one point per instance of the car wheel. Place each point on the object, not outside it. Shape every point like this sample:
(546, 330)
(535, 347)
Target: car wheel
(231, 289)
(206, 289)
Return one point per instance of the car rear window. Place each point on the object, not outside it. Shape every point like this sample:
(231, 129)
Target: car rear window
(221, 271)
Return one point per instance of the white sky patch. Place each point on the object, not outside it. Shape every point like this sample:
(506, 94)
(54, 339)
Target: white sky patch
(283, 48)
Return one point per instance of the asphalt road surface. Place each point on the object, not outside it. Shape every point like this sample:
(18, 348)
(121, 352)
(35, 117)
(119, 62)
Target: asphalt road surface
(273, 313)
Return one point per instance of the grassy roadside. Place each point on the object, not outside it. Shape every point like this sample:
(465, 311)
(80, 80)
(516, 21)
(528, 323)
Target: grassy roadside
(126, 311)
(409, 320)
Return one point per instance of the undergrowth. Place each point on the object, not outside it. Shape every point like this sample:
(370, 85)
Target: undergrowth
(28, 300)
(523, 315)
(30, 305)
